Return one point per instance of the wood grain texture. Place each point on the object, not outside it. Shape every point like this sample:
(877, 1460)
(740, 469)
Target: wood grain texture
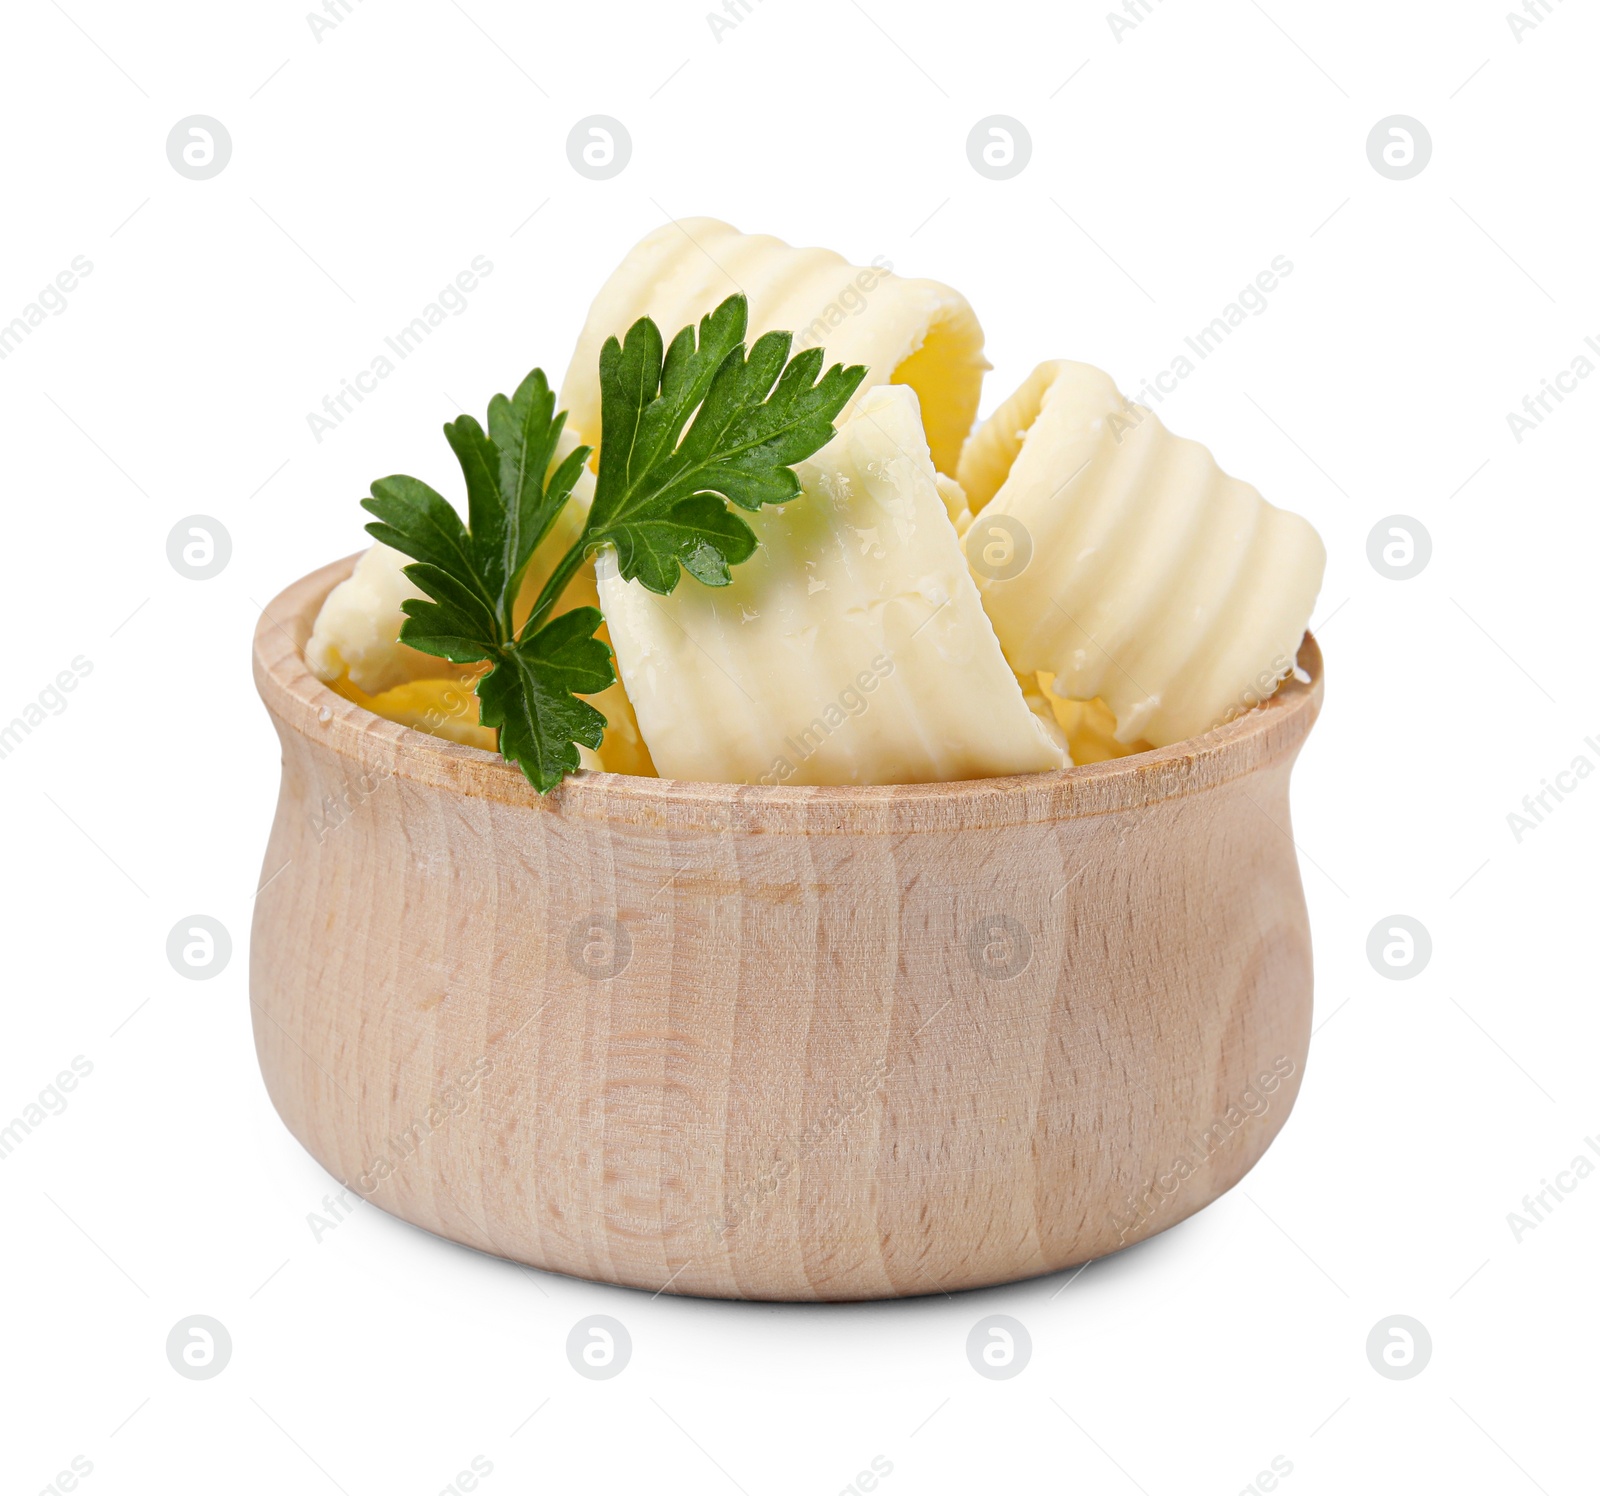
(777, 1043)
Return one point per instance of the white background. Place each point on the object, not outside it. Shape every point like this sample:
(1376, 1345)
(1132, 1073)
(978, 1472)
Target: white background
(371, 166)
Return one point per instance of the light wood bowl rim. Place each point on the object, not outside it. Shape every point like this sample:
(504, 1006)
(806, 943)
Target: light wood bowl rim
(299, 699)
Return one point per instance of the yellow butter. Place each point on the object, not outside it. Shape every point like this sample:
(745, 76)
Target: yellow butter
(914, 332)
(1173, 593)
(851, 649)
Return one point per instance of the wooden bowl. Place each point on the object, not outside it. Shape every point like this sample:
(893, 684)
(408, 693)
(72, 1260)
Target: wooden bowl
(777, 1043)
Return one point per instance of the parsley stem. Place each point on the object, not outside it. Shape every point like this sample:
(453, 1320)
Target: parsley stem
(555, 585)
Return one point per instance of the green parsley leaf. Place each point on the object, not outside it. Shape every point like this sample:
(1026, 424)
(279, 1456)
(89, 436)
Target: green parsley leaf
(510, 506)
(461, 622)
(471, 574)
(659, 500)
(532, 696)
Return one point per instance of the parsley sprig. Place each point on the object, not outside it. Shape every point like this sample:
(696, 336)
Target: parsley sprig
(661, 501)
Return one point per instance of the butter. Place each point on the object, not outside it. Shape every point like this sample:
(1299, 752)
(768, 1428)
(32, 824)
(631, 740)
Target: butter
(1158, 584)
(851, 649)
(914, 332)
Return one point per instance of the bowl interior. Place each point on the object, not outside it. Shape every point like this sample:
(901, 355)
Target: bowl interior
(303, 703)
